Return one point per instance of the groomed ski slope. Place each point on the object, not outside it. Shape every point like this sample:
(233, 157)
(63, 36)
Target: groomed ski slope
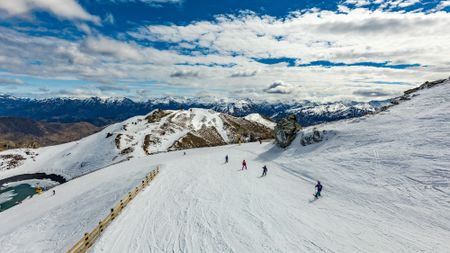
(386, 189)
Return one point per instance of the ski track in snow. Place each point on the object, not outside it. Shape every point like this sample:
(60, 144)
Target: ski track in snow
(386, 189)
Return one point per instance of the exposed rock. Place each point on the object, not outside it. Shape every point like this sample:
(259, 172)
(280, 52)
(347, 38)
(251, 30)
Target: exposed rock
(286, 130)
(156, 116)
(117, 140)
(314, 137)
(205, 137)
(241, 129)
(148, 141)
(426, 85)
(127, 151)
(10, 161)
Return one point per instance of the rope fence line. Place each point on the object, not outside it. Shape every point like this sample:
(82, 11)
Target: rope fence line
(89, 238)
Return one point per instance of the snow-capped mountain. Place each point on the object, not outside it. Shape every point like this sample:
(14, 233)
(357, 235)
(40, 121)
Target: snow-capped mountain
(100, 112)
(158, 131)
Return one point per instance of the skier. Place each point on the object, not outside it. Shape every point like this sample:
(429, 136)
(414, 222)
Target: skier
(264, 171)
(226, 159)
(319, 189)
(54, 192)
(244, 165)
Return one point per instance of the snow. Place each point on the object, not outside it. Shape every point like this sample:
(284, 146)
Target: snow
(45, 183)
(6, 196)
(256, 117)
(386, 181)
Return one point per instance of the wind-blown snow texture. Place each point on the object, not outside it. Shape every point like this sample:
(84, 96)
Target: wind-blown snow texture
(386, 189)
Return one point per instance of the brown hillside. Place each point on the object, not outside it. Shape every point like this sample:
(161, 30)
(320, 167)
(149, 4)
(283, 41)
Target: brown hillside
(27, 133)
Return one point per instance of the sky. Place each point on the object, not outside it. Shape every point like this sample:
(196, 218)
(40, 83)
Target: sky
(260, 49)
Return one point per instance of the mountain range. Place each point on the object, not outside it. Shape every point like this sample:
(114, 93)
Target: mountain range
(102, 112)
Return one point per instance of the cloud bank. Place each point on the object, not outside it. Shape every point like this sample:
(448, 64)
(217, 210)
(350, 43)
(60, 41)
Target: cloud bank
(351, 53)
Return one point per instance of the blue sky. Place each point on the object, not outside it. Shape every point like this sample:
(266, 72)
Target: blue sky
(266, 50)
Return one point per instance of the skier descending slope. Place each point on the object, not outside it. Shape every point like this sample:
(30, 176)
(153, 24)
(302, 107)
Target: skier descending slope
(244, 164)
(226, 159)
(264, 171)
(319, 189)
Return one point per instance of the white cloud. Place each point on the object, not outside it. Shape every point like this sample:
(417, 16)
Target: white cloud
(113, 48)
(358, 3)
(244, 73)
(279, 87)
(185, 73)
(64, 9)
(443, 4)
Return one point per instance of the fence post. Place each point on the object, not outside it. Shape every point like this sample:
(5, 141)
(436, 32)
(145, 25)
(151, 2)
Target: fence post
(86, 239)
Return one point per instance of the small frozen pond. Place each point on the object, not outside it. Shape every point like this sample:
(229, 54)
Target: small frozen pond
(14, 193)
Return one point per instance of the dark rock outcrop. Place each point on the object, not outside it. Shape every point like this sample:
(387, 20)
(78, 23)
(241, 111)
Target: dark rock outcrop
(314, 137)
(426, 85)
(286, 130)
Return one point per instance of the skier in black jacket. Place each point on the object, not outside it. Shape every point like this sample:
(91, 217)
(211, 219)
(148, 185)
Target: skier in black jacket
(264, 171)
(319, 189)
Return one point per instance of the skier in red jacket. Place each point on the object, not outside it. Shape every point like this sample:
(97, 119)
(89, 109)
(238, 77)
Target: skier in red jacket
(244, 165)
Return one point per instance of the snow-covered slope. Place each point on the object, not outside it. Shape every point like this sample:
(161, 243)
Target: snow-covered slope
(386, 184)
(256, 117)
(158, 131)
(386, 181)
